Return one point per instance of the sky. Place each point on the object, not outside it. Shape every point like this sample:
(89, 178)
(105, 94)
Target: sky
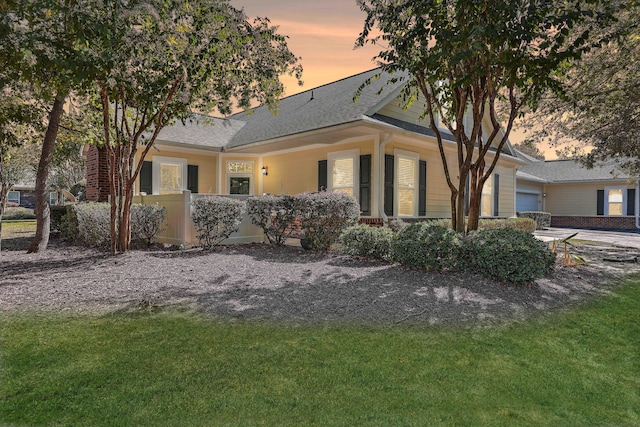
(323, 33)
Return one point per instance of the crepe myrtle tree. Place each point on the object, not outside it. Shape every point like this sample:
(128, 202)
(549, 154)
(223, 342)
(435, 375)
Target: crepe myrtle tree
(163, 59)
(467, 56)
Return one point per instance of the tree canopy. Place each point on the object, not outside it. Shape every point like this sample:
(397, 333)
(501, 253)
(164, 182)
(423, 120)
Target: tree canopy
(470, 56)
(600, 108)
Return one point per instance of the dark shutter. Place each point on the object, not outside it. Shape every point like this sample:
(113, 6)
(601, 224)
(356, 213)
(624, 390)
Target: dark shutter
(146, 178)
(192, 178)
(388, 184)
(496, 194)
(631, 201)
(322, 175)
(600, 203)
(422, 189)
(365, 184)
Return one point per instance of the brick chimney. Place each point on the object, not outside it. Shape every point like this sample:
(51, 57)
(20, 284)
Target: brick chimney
(97, 175)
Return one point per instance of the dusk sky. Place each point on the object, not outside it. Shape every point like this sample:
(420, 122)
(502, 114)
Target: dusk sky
(323, 34)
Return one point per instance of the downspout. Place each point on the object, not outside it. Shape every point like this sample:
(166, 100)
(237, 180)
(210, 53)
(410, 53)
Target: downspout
(637, 202)
(383, 143)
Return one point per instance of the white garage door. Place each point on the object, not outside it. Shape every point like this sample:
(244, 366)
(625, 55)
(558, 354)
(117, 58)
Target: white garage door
(526, 202)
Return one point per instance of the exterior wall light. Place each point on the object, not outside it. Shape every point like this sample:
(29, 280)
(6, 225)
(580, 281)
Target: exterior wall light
(265, 171)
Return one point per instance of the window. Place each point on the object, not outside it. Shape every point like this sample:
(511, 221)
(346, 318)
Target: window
(486, 208)
(406, 183)
(13, 197)
(615, 201)
(240, 177)
(343, 171)
(169, 175)
(53, 197)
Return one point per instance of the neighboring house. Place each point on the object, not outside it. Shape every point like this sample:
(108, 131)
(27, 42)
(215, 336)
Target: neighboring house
(320, 139)
(602, 197)
(23, 194)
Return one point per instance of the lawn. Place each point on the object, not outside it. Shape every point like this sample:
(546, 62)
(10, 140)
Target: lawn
(18, 228)
(578, 367)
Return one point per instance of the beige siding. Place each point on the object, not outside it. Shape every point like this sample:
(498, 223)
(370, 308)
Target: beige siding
(412, 115)
(575, 199)
(296, 172)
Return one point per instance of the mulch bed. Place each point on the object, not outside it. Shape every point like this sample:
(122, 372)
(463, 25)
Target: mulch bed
(258, 282)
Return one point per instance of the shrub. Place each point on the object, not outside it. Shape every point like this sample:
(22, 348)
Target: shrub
(56, 213)
(89, 224)
(147, 223)
(397, 224)
(365, 241)
(215, 218)
(527, 225)
(11, 205)
(324, 215)
(16, 212)
(508, 255)
(425, 245)
(274, 214)
(542, 219)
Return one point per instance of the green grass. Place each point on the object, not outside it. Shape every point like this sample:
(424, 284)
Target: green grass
(18, 228)
(580, 367)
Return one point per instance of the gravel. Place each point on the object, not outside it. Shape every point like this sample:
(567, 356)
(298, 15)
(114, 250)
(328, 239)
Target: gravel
(258, 282)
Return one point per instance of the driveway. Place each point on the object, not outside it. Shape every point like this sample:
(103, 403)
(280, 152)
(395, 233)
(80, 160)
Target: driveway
(619, 238)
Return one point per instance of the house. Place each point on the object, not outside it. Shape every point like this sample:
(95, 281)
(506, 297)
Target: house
(23, 194)
(602, 197)
(320, 139)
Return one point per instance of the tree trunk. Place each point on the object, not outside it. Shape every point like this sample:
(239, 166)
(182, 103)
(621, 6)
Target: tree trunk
(41, 239)
(3, 204)
(125, 220)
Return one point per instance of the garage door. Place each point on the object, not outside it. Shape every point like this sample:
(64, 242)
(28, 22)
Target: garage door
(526, 202)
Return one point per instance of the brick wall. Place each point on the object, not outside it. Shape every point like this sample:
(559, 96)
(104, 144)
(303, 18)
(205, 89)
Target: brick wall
(97, 175)
(597, 222)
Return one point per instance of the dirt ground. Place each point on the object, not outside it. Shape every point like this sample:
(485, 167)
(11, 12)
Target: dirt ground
(258, 282)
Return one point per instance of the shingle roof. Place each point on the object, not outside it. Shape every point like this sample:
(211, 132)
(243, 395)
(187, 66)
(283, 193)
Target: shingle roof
(202, 131)
(317, 108)
(558, 171)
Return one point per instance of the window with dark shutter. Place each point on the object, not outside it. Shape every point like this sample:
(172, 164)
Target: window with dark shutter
(496, 194)
(192, 178)
(146, 178)
(365, 184)
(322, 175)
(422, 189)
(600, 203)
(388, 184)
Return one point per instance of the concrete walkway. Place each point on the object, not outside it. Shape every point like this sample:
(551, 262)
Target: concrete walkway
(619, 238)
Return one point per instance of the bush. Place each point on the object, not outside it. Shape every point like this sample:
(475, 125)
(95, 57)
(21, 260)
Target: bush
(274, 214)
(89, 224)
(215, 218)
(324, 215)
(426, 245)
(523, 224)
(16, 212)
(146, 223)
(542, 219)
(56, 213)
(508, 255)
(11, 205)
(397, 224)
(365, 241)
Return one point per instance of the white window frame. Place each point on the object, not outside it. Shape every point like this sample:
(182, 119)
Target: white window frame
(354, 155)
(159, 160)
(492, 197)
(249, 175)
(624, 200)
(13, 192)
(53, 197)
(415, 157)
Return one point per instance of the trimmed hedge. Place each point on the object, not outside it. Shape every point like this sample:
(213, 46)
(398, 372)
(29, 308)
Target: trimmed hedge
(426, 245)
(275, 215)
(508, 255)
(215, 218)
(365, 241)
(17, 212)
(542, 219)
(324, 215)
(522, 224)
